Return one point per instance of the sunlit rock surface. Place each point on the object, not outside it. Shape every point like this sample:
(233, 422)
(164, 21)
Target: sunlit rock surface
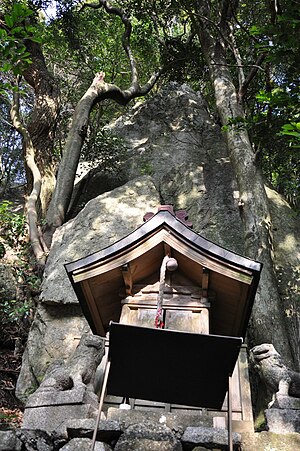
(59, 323)
(175, 154)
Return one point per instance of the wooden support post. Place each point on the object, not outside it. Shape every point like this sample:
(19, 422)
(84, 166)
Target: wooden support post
(167, 249)
(101, 400)
(127, 276)
(205, 280)
(230, 443)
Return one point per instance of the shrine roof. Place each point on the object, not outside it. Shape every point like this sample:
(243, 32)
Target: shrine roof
(98, 278)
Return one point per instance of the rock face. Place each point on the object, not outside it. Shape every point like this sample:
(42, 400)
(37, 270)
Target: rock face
(177, 155)
(286, 236)
(8, 283)
(59, 323)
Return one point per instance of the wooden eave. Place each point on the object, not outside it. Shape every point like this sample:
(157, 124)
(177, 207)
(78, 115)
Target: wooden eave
(98, 278)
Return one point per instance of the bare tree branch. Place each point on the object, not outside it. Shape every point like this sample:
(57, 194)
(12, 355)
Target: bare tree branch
(238, 58)
(251, 75)
(126, 35)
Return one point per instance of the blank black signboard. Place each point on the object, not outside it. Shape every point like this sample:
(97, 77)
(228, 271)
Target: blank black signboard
(170, 366)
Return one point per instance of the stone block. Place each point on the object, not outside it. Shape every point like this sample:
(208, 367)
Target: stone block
(107, 430)
(53, 418)
(35, 440)
(208, 437)
(178, 421)
(9, 441)
(55, 398)
(148, 436)
(286, 402)
(283, 421)
(84, 444)
(269, 441)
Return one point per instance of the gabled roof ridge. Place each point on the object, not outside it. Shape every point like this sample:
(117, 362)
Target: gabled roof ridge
(160, 219)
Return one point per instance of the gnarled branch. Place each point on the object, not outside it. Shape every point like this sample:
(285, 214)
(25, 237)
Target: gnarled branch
(98, 91)
(126, 34)
(251, 75)
(39, 250)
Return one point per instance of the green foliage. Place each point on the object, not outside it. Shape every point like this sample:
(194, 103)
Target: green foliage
(13, 34)
(89, 41)
(13, 239)
(8, 417)
(11, 157)
(146, 168)
(292, 130)
(12, 225)
(273, 101)
(78, 42)
(13, 310)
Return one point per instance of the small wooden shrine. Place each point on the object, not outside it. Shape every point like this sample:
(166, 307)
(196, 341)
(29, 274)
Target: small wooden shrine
(165, 275)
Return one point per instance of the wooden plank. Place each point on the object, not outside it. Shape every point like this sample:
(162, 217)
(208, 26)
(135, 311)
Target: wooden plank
(173, 227)
(204, 321)
(174, 289)
(169, 301)
(138, 317)
(241, 307)
(229, 418)
(185, 321)
(169, 308)
(236, 393)
(247, 412)
(242, 426)
(219, 422)
(211, 263)
(145, 403)
(101, 401)
(93, 308)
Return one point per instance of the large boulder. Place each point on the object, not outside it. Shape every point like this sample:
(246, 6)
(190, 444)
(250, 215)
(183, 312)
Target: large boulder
(59, 324)
(176, 154)
(286, 242)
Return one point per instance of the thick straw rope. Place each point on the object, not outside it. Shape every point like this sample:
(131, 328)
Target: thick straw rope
(159, 324)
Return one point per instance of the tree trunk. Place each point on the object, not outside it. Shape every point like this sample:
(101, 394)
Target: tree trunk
(267, 322)
(43, 121)
(98, 91)
(38, 246)
(67, 169)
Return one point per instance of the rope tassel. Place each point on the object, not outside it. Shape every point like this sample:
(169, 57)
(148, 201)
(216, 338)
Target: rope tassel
(171, 264)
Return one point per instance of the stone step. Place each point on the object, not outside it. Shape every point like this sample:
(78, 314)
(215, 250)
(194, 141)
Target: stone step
(178, 421)
(118, 421)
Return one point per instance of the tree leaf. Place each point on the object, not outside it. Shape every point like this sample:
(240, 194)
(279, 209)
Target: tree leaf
(9, 20)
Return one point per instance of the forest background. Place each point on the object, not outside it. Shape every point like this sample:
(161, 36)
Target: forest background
(69, 67)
